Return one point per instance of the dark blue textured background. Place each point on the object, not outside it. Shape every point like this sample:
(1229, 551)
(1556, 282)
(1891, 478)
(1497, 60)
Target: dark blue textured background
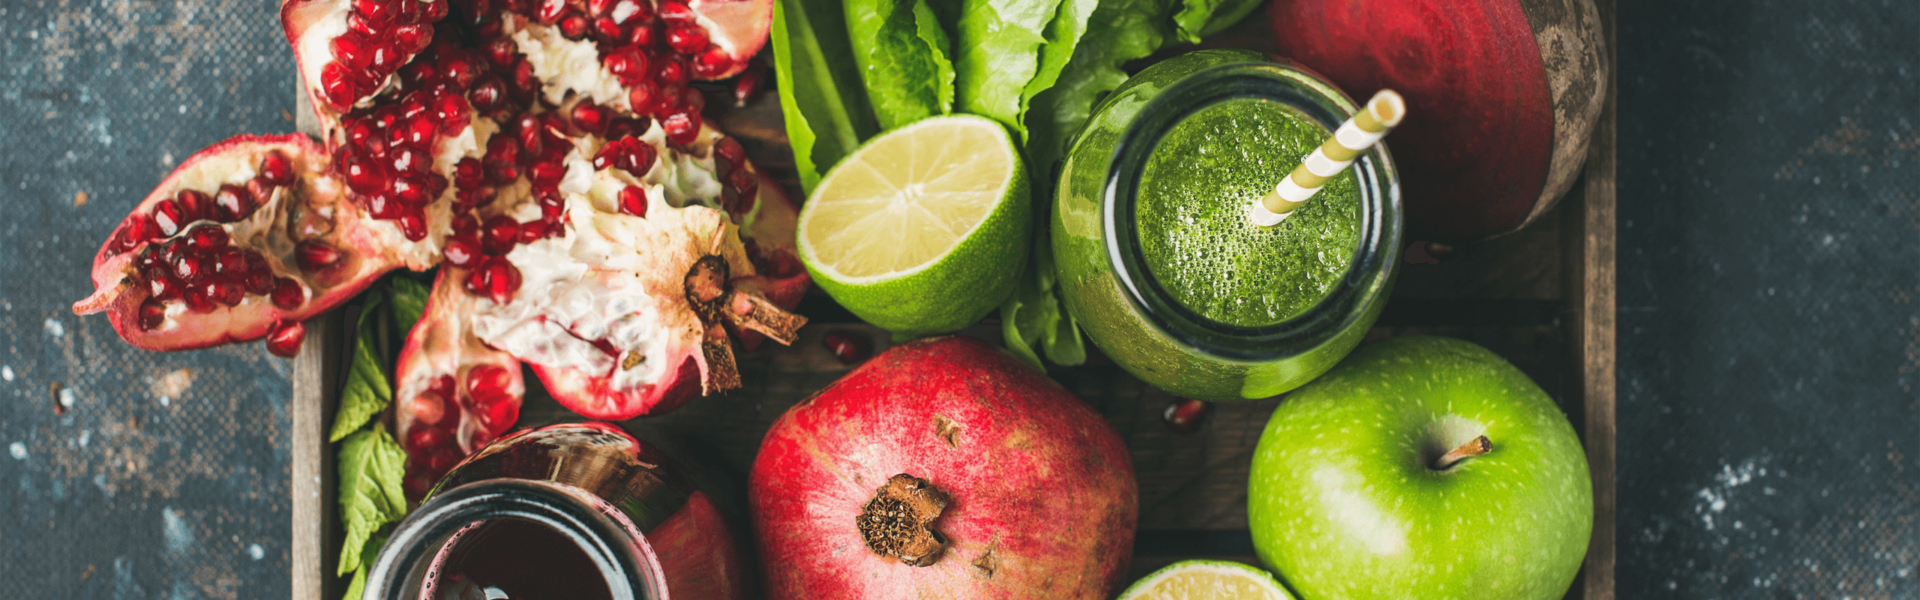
(1769, 304)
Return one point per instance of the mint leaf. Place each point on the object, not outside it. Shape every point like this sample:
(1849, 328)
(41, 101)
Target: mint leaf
(1063, 36)
(896, 62)
(820, 95)
(1017, 325)
(1119, 31)
(371, 466)
(359, 586)
(997, 52)
(1198, 19)
(409, 302)
(366, 391)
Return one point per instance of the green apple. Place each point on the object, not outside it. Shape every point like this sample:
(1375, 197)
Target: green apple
(1421, 467)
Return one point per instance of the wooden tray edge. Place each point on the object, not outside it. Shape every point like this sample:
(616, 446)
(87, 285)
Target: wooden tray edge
(1589, 231)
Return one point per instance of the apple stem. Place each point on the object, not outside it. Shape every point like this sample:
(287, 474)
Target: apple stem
(1474, 447)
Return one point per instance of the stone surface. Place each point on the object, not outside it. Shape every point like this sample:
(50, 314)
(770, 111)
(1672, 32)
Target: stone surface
(1769, 329)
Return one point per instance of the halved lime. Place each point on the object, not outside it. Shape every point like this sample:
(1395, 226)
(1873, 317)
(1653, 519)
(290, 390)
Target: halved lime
(923, 229)
(1213, 579)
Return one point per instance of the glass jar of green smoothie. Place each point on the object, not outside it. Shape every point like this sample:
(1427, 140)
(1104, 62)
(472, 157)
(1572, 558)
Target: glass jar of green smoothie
(1158, 259)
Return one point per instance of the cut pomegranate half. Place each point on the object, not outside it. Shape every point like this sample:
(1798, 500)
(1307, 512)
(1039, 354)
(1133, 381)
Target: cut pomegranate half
(247, 237)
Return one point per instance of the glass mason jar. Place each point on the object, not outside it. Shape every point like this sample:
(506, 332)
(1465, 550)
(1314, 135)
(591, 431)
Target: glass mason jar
(1130, 315)
(580, 510)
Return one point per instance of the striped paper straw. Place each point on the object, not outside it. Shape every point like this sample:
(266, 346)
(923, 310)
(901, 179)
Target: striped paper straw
(1333, 157)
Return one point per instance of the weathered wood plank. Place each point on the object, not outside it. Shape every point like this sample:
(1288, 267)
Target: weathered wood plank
(1591, 285)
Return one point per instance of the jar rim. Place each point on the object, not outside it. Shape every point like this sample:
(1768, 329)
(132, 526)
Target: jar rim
(1368, 273)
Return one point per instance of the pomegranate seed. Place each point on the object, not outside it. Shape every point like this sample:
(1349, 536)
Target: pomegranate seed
(687, 38)
(413, 190)
(498, 417)
(288, 294)
(164, 287)
(426, 438)
(376, 12)
(850, 347)
(590, 118)
(194, 206)
(232, 203)
(418, 482)
(276, 169)
(433, 12)
(606, 30)
(258, 282)
(599, 8)
(207, 238)
(415, 106)
(730, 153)
(748, 85)
(574, 26)
(483, 195)
(479, 437)
(353, 51)
(461, 250)
(496, 279)
(711, 62)
(452, 114)
(488, 383)
(546, 174)
(633, 200)
(315, 255)
(692, 101)
(457, 70)
(189, 268)
(417, 134)
(501, 232)
(467, 173)
(487, 95)
(501, 51)
(359, 25)
(406, 162)
(673, 72)
(643, 34)
(1185, 414)
(442, 385)
(139, 229)
(524, 80)
(551, 11)
(226, 292)
(443, 459)
(382, 205)
(197, 300)
(230, 262)
(152, 314)
(532, 231)
(260, 190)
(284, 340)
(630, 11)
(410, 39)
(363, 175)
(465, 224)
(676, 12)
(626, 63)
(166, 218)
(641, 97)
(413, 223)
(682, 128)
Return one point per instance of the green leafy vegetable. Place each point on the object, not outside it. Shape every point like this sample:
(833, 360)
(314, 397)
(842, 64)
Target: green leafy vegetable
(996, 47)
(898, 62)
(1201, 18)
(371, 465)
(1063, 36)
(934, 35)
(820, 95)
(366, 391)
(1119, 31)
(1035, 318)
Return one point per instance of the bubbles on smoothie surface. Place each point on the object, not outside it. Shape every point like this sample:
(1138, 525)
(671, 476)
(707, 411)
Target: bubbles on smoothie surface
(1191, 213)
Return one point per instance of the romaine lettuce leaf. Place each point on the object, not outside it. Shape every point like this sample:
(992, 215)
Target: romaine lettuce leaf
(996, 52)
(899, 65)
(821, 97)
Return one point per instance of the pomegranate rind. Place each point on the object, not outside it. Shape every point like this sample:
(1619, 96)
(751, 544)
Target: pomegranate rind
(268, 231)
(1044, 501)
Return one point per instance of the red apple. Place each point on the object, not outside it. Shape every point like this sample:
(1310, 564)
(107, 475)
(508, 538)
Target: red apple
(1502, 96)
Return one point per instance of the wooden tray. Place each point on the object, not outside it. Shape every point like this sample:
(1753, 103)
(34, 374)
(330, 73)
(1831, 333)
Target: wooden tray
(1543, 298)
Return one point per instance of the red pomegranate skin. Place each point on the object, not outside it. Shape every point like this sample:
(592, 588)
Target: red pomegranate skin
(1043, 498)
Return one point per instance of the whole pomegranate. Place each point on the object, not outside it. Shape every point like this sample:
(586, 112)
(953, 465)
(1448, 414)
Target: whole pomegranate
(549, 155)
(943, 468)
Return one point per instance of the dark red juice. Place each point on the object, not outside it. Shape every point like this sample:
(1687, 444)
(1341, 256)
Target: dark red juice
(517, 560)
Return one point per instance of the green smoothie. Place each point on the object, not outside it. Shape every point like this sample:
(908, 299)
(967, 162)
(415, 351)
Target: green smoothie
(1192, 215)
